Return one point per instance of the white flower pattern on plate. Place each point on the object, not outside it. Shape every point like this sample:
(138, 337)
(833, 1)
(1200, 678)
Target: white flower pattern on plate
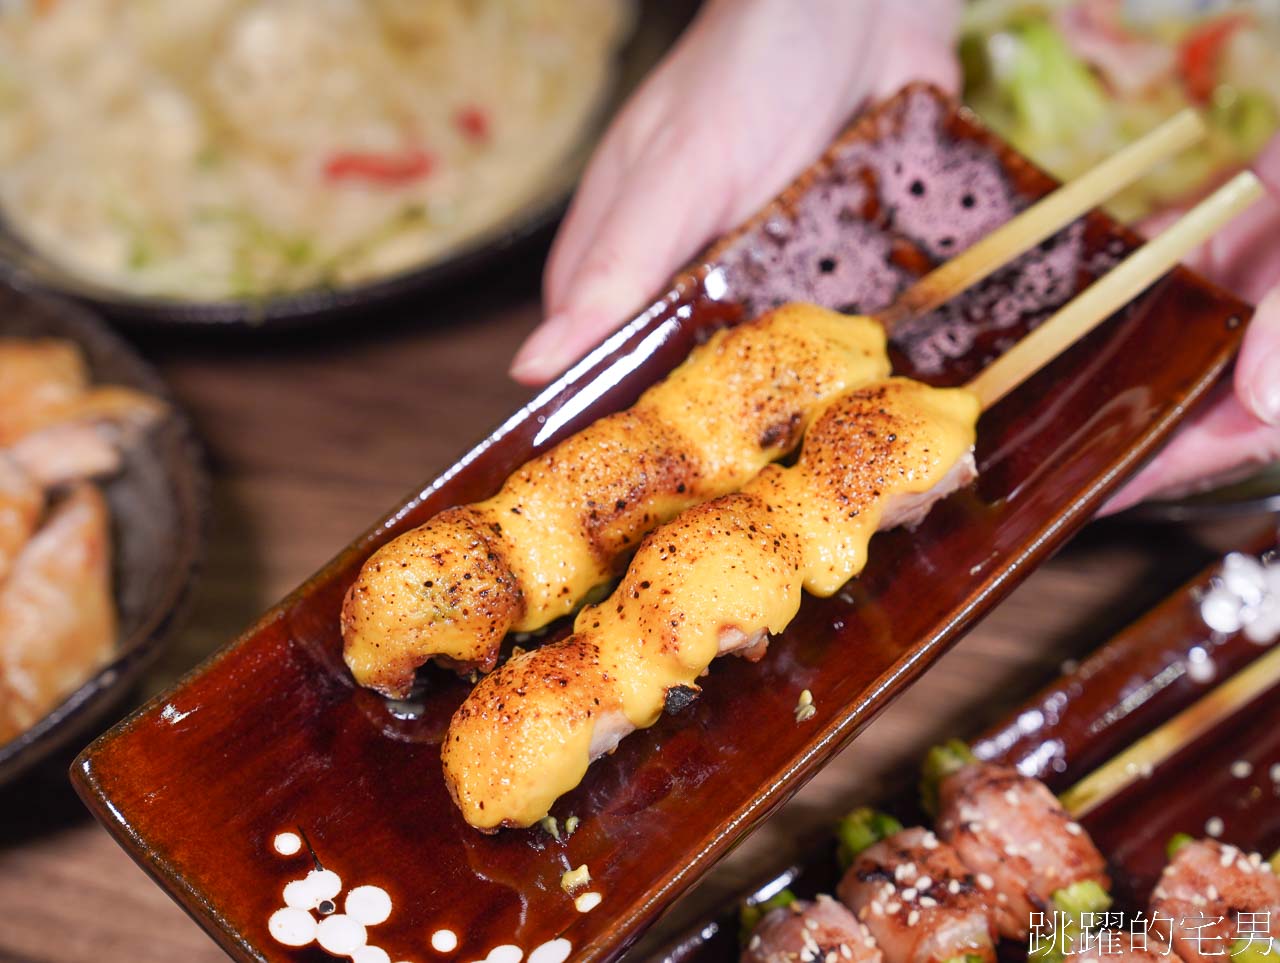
(310, 915)
(310, 912)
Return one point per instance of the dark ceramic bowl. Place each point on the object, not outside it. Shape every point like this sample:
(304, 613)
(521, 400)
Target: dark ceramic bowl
(657, 25)
(158, 509)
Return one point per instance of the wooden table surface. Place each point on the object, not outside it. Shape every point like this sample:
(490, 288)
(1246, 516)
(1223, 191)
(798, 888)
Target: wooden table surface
(313, 435)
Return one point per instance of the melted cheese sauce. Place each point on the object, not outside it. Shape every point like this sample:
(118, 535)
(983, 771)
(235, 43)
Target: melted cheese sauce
(718, 577)
(562, 523)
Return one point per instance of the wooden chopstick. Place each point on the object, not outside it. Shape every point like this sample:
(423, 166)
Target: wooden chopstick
(1051, 214)
(1115, 289)
(1161, 743)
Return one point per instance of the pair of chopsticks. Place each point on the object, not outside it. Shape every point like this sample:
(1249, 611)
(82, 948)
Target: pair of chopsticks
(1109, 293)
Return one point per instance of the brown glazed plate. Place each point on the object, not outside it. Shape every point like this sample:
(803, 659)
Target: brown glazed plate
(271, 737)
(158, 510)
(1142, 677)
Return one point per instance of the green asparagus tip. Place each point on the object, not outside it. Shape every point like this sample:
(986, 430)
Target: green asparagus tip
(1274, 862)
(1071, 902)
(1259, 950)
(966, 958)
(750, 914)
(1060, 944)
(940, 762)
(1046, 951)
(860, 829)
(1086, 896)
(1176, 842)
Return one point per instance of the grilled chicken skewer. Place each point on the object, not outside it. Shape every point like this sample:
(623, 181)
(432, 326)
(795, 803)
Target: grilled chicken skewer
(562, 525)
(715, 581)
(877, 457)
(1010, 829)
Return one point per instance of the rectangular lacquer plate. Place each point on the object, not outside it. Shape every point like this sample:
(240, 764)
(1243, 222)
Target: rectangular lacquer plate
(271, 737)
(1141, 678)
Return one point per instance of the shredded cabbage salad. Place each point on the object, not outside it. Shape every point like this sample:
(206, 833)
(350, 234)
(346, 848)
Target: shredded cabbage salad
(236, 149)
(1069, 83)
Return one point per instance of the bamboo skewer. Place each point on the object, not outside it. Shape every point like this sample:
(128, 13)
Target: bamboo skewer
(1046, 217)
(1115, 289)
(1085, 312)
(1161, 743)
(470, 782)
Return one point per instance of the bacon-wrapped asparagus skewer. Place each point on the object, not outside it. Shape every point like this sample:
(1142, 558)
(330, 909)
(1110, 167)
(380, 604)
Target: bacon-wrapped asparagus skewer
(914, 893)
(1011, 830)
(905, 898)
(1031, 861)
(563, 524)
(1005, 850)
(1203, 894)
(924, 899)
(810, 931)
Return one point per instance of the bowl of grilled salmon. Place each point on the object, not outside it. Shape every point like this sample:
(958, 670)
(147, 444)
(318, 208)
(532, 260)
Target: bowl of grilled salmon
(102, 494)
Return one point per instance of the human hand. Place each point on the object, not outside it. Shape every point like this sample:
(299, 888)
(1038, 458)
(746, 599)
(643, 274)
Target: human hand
(1240, 429)
(750, 95)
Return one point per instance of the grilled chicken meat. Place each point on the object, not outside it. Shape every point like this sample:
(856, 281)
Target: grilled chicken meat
(1204, 890)
(1011, 829)
(565, 522)
(21, 502)
(45, 382)
(37, 377)
(57, 610)
(67, 452)
(811, 932)
(57, 613)
(919, 900)
(716, 580)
